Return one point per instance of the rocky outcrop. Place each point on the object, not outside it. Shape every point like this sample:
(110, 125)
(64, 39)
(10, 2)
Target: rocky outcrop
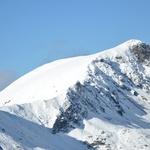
(142, 52)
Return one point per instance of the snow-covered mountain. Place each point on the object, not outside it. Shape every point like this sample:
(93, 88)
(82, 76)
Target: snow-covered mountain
(100, 101)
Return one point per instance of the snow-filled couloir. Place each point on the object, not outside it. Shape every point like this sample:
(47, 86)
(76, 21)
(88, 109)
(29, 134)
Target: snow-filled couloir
(100, 101)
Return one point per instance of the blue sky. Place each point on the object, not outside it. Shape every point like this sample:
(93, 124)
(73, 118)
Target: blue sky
(34, 32)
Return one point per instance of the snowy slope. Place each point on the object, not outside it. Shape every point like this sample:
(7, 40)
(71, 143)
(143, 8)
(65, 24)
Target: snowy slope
(100, 101)
(47, 81)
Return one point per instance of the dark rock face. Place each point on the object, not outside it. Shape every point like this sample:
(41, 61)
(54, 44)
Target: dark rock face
(71, 116)
(142, 53)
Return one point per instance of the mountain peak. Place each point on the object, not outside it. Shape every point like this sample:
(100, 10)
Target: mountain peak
(139, 49)
(100, 101)
(134, 41)
(130, 43)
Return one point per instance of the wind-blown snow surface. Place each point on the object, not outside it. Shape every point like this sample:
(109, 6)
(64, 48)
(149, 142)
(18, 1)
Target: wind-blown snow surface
(100, 101)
